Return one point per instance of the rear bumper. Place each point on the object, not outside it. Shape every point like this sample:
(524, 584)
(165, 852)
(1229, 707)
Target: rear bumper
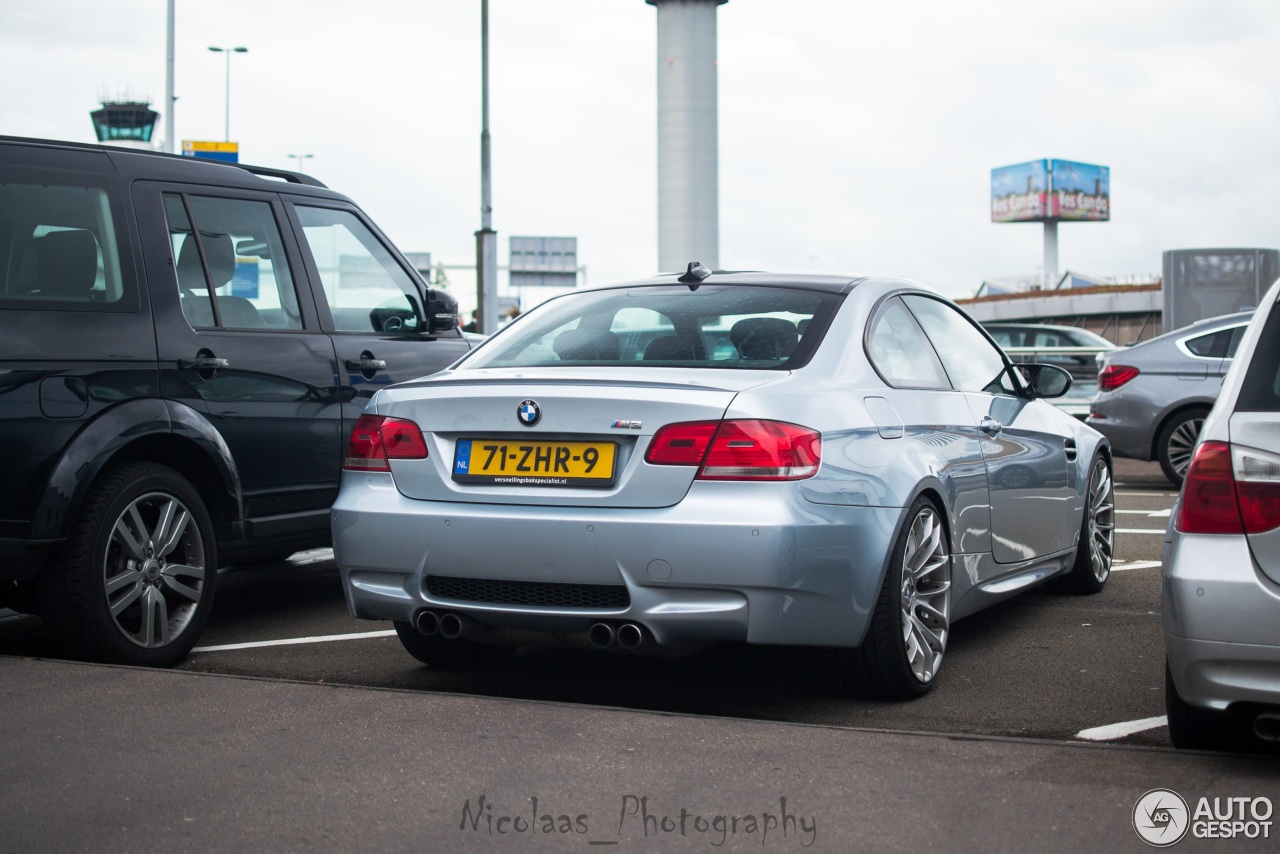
(1221, 622)
(730, 562)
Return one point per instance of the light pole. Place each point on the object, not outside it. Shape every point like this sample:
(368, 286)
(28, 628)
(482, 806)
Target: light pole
(300, 158)
(228, 51)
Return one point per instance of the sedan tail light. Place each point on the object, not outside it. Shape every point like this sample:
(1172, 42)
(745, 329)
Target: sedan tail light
(378, 439)
(747, 449)
(1112, 377)
(1230, 490)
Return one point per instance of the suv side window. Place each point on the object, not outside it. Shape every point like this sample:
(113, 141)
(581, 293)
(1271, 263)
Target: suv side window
(231, 266)
(58, 250)
(366, 289)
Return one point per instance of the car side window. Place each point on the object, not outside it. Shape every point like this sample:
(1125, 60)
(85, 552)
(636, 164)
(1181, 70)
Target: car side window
(971, 361)
(231, 269)
(58, 249)
(899, 351)
(1211, 346)
(366, 289)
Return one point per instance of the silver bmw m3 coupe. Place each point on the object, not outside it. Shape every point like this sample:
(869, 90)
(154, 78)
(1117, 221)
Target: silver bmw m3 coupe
(848, 463)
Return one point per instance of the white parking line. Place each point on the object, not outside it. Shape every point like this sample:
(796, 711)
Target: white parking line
(291, 641)
(1114, 731)
(1140, 531)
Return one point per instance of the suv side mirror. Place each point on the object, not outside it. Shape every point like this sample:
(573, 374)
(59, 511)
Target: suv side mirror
(442, 311)
(1046, 380)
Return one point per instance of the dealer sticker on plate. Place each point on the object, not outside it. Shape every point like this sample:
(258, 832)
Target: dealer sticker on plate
(499, 462)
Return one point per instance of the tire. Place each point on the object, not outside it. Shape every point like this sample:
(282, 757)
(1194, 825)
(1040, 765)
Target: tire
(1177, 441)
(134, 581)
(444, 653)
(1096, 547)
(1194, 728)
(900, 657)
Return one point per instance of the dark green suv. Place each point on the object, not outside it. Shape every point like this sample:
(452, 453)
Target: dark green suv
(184, 349)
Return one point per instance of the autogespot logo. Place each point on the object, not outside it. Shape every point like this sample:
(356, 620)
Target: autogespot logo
(1160, 817)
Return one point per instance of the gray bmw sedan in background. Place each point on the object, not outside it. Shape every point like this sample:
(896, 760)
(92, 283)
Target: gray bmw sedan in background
(830, 461)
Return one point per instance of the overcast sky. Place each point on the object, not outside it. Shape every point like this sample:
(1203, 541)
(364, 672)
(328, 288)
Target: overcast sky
(854, 136)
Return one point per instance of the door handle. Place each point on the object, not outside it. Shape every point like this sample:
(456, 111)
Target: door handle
(366, 365)
(990, 426)
(204, 363)
(1071, 450)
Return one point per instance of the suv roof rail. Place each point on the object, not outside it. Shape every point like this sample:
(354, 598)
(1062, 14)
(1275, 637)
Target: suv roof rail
(282, 174)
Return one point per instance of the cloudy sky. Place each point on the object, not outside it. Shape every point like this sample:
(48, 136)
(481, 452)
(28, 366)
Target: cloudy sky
(854, 136)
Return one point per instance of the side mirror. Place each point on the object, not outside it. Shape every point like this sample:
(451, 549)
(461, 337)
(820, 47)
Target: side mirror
(1046, 380)
(442, 311)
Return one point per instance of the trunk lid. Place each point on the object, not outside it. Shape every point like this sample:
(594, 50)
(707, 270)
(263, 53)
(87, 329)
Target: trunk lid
(480, 450)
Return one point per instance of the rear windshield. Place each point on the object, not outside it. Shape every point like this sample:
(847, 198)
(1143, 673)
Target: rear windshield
(1260, 391)
(728, 327)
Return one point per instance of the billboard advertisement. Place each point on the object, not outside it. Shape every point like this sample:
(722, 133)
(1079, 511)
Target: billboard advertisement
(1020, 193)
(1049, 191)
(1081, 191)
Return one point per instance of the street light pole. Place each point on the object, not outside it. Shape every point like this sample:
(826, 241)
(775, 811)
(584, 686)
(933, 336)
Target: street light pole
(300, 158)
(486, 237)
(227, 120)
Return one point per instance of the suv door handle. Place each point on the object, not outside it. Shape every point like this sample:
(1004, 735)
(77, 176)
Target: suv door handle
(990, 426)
(204, 363)
(366, 364)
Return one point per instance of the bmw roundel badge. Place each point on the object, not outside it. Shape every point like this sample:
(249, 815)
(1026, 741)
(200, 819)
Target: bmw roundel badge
(528, 412)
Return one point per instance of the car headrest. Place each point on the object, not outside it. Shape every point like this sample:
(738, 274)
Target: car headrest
(597, 345)
(764, 337)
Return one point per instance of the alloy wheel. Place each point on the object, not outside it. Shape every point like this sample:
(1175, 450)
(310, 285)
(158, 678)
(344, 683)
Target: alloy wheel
(926, 595)
(154, 570)
(1101, 526)
(1181, 444)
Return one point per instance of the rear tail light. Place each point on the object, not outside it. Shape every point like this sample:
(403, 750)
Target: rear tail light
(1112, 377)
(739, 450)
(1230, 490)
(378, 439)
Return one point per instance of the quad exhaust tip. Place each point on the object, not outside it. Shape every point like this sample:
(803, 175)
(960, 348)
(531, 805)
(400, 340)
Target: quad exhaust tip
(1266, 726)
(450, 626)
(630, 636)
(427, 623)
(600, 635)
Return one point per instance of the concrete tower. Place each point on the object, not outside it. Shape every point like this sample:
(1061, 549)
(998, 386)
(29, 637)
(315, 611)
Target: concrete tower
(688, 145)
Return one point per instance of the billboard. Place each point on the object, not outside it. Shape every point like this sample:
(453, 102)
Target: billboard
(1019, 193)
(1049, 191)
(1079, 191)
(225, 152)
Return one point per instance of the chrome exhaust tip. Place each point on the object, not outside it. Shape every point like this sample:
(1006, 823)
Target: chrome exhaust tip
(1266, 726)
(427, 623)
(450, 626)
(600, 635)
(630, 636)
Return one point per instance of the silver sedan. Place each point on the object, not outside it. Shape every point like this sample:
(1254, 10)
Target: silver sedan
(848, 463)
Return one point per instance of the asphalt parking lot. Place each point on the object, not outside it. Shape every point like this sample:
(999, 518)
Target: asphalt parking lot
(296, 727)
(1041, 665)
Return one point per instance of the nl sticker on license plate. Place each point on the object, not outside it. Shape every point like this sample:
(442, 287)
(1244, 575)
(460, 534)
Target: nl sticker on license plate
(499, 462)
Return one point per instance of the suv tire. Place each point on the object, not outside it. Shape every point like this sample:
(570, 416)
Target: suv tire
(134, 581)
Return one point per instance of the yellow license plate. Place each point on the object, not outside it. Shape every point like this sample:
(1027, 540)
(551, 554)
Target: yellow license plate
(502, 462)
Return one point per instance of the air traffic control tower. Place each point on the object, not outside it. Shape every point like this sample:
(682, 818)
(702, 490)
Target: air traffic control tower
(688, 144)
(128, 124)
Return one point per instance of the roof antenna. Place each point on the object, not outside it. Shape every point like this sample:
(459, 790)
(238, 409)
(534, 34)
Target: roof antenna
(694, 275)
